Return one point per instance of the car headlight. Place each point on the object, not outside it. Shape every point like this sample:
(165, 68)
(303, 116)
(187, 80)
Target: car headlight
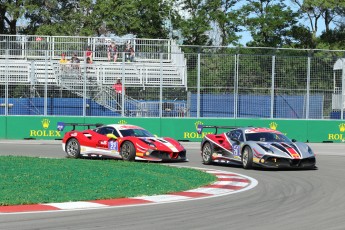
(310, 151)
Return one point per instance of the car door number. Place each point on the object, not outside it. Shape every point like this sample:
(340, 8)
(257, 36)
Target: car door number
(236, 150)
(113, 145)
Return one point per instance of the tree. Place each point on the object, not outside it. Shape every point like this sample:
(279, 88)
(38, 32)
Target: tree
(194, 22)
(10, 12)
(226, 19)
(144, 18)
(330, 11)
(50, 17)
(268, 21)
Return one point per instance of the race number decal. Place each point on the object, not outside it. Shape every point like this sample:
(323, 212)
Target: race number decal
(236, 149)
(113, 145)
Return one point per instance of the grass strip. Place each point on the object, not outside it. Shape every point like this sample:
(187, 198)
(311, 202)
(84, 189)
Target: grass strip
(32, 180)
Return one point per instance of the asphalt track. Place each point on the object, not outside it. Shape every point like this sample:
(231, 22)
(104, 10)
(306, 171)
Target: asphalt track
(283, 199)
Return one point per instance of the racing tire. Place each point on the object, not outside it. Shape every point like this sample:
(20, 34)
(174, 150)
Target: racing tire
(247, 158)
(73, 148)
(206, 152)
(128, 151)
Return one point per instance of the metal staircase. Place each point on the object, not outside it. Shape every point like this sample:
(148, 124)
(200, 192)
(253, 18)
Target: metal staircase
(75, 81)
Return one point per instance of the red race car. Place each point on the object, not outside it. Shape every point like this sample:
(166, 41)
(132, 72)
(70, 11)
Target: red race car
(127, 142)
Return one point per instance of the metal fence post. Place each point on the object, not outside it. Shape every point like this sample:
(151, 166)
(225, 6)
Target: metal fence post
(272, 86)
(308, 87)
(83, 76)
(161, 86)
(198, 89)
(342, 91)
(46, 84)
(237, 61)
(6, 84)
(123, 84)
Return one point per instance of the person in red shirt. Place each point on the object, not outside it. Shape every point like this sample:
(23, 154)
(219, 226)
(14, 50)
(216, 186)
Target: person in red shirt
(118, 89)
(89, 54)
(118, 86)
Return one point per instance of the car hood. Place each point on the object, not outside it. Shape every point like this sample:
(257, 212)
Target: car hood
(161, 143)
(283, 149)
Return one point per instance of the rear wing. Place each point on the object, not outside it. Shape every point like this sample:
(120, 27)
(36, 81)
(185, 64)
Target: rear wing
(62, 125)
(201, 127)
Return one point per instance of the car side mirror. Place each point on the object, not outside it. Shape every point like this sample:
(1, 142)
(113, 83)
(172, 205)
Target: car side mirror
(111, 136)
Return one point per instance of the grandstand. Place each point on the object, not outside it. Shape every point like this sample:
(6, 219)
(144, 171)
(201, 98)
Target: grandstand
(34, 61)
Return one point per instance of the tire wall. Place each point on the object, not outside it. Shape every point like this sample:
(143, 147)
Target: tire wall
(184, 129)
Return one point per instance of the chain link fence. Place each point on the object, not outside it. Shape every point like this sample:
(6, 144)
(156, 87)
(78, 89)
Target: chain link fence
(166, 80)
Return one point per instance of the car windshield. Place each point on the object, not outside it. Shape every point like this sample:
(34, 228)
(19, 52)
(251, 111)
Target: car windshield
(136, 133)
(267, 137)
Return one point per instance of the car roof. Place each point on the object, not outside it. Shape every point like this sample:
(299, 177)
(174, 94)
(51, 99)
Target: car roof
(259, 130)
(124, 126)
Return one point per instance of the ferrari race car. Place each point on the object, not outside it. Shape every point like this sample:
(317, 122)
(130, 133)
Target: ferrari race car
(250, 146)
(127, 142)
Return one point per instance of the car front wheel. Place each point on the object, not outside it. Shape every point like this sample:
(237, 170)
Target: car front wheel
(73, 148)
(207, 150)
(128, 151)
(247, 158)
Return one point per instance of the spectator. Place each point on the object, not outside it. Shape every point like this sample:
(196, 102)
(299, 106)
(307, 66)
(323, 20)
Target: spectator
(75, 61)
(118, 89)
(129, 52)
(88, 64)
(89, 53)
(112, 51)
(63, 62)
(88, 60)
(63, 59)
(118, 86)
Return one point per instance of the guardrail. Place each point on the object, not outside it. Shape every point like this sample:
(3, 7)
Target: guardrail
(37, 47)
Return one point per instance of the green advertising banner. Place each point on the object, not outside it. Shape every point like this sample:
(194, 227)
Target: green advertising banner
(37, 127)
(3, 125)
(151, 124)
(182, 129)
(326, 131)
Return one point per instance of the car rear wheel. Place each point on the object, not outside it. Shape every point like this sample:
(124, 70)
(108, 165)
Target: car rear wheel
(128, 151)
(247, 158)
(207, 150)
(73, 148)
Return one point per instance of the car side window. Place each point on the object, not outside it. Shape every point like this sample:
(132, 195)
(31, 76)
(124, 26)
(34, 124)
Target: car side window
(116, 133)
(236, 134)
(106, 130)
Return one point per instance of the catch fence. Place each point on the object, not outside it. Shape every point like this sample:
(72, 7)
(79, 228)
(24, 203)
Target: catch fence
(167, 80)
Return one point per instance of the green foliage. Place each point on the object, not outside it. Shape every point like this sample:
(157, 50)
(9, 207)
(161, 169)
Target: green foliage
(268, 22)
(194, 23)
(271, 23)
